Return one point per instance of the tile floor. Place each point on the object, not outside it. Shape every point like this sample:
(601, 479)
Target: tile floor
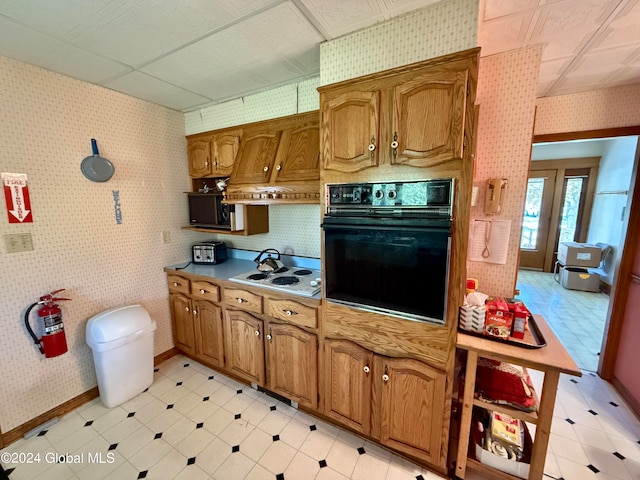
(576, 317)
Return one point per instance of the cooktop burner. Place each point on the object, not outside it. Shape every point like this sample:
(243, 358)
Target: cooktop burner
(300, 281)
(285, 280)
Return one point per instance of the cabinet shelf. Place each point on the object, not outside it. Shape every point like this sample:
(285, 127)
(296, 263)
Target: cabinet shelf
(531, 417)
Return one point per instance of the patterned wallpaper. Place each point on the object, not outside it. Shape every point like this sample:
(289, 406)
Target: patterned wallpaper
(607, 108)
(506, 96)
(46, 125)
(445, 27)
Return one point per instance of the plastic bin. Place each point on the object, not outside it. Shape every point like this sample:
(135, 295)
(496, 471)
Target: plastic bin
(122, 343)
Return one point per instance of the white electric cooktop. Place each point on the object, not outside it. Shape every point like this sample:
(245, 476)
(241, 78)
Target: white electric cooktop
(296, 280)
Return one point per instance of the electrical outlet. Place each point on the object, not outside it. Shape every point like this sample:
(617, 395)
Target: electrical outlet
(19, 242)
(166, 237)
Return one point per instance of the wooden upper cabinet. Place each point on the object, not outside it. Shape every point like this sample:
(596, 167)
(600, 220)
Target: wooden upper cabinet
(199, 152)
(350, 131)
(428, 118)
(299, 154)
(225, 149)
(213, 155)
(410, 398)
(256, 156)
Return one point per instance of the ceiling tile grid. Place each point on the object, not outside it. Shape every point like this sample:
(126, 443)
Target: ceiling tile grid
(445, 27)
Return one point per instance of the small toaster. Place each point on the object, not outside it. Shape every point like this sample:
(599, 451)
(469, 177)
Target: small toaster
(211, 253)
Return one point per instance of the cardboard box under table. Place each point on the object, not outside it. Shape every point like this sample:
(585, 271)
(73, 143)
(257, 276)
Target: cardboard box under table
(574, 278)
(579, 254)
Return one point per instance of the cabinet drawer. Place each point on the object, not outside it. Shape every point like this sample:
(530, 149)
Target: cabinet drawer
(178, 284)
(205, 290)
(243, 299)
(292, 312)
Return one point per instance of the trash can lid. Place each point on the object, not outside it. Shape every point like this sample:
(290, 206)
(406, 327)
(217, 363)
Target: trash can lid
(116, 323)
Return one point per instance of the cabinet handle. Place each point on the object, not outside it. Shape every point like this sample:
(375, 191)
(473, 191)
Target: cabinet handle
(269, 337)
(394, 145)
(257, 333)
(202, 290)
(195, 312)
(372, 147)
(187, 309)
(215, 162)
(265, 169)
(240, 300)
(385, 376)
(290, 312)
(278, 168)
(366, 369)
(175, 284)
(206, 163)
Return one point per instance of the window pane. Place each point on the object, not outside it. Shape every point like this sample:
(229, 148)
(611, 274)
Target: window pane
(570, 209)
(532, 207)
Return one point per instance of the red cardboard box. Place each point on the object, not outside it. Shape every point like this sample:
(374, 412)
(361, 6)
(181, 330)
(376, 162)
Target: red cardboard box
(520, 316)
(499, 319)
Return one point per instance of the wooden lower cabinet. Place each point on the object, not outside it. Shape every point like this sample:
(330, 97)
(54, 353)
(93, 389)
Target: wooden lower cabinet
(398, 401)
(208, 332)
(410, 397)
(183, 325)
(292, 363)
(347, 384)
(244, 345)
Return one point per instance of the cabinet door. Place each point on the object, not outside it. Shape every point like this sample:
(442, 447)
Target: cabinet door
(182, 319)
(410, 407)
(347, 384)
(256, 157)
(225, 149)
(298, 155)
(208, 324)
(428, 118)
(244, 345)
(199, 152)
(350, 130)
(293, 363)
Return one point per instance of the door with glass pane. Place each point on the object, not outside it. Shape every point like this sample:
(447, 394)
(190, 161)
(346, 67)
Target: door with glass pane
(537, 218)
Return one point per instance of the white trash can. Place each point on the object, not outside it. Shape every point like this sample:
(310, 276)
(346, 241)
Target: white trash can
(122, 343)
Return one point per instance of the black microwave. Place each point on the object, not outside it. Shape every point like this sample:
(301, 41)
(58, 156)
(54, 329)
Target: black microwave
(206, 210)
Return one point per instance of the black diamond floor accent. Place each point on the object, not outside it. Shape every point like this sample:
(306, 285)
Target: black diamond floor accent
(211, 377)
(361, 450)
(146, 389)
(235, 448)
(200, 425)
(419, 477)
(113, 446)
(619, 455)
(592, 412)
(568, 420)
(237, 416)
(239, 391)
(614, 404)
(131, 414)
(170, 406)
(204, 399)
(186, 365)
(191, 461)
(143, 474)
(280, 476)
(322, 463)
(272, 408)
(592, 468)
(573, 380)
(276, 438)
(156, 369)
(88, 423)
(178, 384)
(157, 436)
(313, 428)
(43, 433)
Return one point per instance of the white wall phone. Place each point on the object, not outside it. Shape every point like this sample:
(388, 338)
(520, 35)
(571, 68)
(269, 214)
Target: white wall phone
(494, 195)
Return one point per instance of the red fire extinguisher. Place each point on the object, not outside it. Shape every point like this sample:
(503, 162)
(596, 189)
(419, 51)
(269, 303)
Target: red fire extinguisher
(53, 341)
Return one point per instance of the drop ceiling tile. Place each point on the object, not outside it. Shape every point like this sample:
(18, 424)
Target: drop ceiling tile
(543, 87)
(153, 90)
(393, 8)
(626, 76)
(603, 61)
(83, 65)
(278, 72)
(552, 69)
(338, 18)
(623, 30)
(226, 86)
(501, 8)
(505, 33)
(26, 45)
(150, 29)
(308, 62)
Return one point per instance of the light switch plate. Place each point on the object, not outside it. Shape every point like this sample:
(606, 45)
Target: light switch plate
(166, 237)
(19, 242)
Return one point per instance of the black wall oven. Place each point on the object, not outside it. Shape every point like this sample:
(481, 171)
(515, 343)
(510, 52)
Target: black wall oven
(387, 246)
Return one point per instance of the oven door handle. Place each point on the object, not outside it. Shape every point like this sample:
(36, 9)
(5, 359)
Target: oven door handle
(382, 226)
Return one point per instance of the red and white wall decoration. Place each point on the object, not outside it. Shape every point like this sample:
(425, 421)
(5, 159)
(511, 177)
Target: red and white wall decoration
(16, 195)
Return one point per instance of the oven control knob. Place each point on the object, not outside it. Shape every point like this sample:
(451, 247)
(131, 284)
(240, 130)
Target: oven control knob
(392, 194)
(379, 194)
(313, 283)
(318, 279)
